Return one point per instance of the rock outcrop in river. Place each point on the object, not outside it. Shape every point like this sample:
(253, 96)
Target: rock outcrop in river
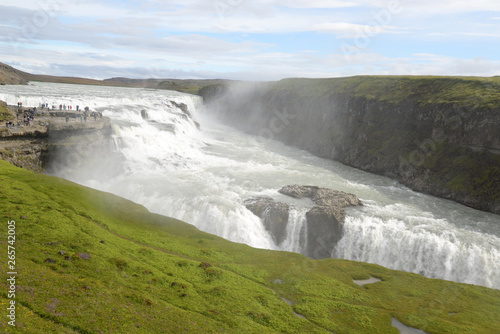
(437, 135)
(324, 221)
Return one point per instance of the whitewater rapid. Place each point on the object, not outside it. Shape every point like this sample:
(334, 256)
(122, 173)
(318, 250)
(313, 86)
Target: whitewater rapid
(203, 176)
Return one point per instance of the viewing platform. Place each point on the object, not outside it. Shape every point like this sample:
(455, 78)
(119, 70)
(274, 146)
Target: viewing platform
(45, 120)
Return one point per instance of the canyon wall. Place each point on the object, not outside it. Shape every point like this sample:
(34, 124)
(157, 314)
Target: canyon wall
(437, 135)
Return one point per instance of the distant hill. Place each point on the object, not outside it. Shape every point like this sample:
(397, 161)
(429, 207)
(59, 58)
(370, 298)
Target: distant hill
(11, 76)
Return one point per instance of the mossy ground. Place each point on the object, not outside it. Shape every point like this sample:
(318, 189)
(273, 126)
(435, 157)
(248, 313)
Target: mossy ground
(152, 274)
(5, 114)
(476, 92)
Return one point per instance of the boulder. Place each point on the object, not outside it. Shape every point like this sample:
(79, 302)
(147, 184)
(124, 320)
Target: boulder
(83, 256)
(324, 197)
(183, 107)
(274, 216)
(324, 221)
(324, 230)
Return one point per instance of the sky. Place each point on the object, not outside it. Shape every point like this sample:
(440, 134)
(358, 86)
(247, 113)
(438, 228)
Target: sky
(251, 39)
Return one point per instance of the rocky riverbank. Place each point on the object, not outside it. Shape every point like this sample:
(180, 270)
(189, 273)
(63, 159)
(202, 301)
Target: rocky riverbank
(437, 135)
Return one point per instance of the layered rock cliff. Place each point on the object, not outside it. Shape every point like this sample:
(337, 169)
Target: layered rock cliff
(437, 135)
(50, 142)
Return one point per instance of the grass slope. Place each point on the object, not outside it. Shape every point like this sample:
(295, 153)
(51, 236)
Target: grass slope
(152, 274)
(5, 114)
(471, 92)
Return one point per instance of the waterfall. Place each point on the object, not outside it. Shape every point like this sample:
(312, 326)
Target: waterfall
(203, 176)
(296, 236)
(421, 244)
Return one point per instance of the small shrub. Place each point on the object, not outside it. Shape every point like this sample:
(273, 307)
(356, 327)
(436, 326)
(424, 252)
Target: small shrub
(260, 318)
(179, 285)
(182, 263)
(145, 251)
(205, 265)
(218, 291)
(262, 300)
(213, 273)
(121, 264)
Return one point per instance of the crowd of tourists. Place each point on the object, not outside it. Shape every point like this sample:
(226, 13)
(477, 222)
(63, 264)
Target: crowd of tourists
(70, 112)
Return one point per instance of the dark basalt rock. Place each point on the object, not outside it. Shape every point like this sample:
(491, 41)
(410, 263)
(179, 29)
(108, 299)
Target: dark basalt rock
(183, 107)
(329, 199)
(274, 216)
(324, 221)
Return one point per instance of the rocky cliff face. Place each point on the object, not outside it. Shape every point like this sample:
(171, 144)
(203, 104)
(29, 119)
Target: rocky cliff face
(436, 135)
(76, 142)
(50, 142)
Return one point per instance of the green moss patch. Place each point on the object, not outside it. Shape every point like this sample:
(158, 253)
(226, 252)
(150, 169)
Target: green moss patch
(5, 114)
(115, 267)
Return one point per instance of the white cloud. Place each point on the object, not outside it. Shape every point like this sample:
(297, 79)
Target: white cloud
(351, 30)
(432, 7)
(307, 4)
(482, 34)
(200, 36)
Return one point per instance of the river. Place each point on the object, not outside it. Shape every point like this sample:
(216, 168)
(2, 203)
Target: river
(202, 176)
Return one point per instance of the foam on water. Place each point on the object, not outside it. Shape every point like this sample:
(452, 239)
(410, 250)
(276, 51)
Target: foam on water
(398, 238)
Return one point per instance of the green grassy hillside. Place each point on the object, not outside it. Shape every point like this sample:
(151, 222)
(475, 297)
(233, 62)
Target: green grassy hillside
(469, 92)
(152, 274)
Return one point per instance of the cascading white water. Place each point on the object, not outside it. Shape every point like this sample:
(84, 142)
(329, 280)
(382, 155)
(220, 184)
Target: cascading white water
(296, 237)
(398, 238)
(204, 176)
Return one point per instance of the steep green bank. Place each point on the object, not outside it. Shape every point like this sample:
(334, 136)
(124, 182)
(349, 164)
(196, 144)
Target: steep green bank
(438, 135)
(5, 114)
(91, 262)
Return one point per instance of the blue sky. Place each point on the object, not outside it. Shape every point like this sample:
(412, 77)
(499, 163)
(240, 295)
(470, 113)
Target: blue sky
(251, 40)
